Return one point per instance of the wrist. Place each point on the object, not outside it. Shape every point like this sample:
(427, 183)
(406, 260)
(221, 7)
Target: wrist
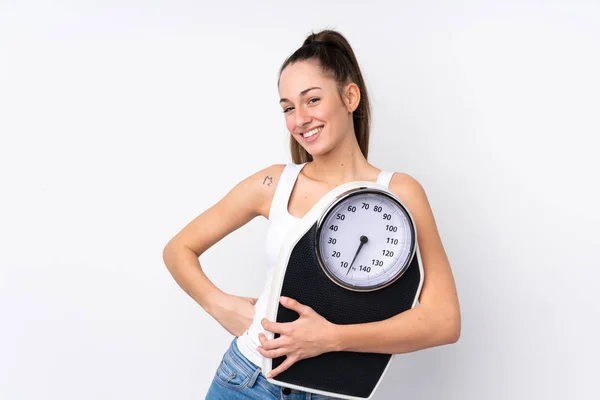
(213, 301)
(337, 338)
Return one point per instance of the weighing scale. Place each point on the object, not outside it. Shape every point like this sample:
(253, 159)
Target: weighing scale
(353, 258)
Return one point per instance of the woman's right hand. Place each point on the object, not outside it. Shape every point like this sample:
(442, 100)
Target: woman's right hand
(234, 313)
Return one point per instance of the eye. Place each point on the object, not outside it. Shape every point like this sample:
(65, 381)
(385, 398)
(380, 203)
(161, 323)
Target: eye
(287, 109)
(314, 98)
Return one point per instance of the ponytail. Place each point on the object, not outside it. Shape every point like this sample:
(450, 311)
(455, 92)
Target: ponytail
(336, 57)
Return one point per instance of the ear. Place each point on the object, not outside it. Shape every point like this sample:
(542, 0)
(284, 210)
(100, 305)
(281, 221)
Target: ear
(351, 97)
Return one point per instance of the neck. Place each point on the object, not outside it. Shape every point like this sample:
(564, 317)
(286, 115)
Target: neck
(345, 163)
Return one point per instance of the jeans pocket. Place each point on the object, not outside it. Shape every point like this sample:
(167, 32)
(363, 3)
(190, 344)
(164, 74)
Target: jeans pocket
(230, 375)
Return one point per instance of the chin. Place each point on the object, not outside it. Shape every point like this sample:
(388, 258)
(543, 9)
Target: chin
(317, 152)
(317, 149)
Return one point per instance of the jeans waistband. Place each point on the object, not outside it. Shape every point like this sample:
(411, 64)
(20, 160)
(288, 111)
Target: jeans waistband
(241, 360)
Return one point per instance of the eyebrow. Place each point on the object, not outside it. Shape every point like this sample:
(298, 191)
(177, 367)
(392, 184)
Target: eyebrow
(302, 93)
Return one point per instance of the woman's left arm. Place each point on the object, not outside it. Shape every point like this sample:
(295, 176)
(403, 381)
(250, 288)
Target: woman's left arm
(435, 321)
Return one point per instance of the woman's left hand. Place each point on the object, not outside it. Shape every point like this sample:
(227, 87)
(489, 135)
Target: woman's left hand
(308, 336)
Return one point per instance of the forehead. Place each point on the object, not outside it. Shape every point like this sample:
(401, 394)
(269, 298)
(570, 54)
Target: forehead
(301, 75)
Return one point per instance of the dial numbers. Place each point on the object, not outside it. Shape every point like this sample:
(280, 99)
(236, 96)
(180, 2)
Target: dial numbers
(365, 240)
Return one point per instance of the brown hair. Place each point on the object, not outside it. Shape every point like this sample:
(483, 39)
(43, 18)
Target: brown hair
(336, 57)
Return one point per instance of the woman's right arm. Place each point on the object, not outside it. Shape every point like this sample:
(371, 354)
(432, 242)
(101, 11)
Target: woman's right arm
(248, 199)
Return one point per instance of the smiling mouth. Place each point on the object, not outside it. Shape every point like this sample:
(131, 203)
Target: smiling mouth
(312, 132)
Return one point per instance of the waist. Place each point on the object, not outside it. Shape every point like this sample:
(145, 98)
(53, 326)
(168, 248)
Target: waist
(241, 359)
(248, 342)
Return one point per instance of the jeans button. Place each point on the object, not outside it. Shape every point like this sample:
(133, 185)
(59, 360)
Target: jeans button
(286, 390)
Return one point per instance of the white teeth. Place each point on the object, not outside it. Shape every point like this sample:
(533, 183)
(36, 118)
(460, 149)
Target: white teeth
(310, 133)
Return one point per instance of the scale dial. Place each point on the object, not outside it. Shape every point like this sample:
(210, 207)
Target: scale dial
(365, 240)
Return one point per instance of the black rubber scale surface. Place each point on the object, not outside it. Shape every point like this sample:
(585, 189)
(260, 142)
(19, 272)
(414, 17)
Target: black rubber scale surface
(348, 373)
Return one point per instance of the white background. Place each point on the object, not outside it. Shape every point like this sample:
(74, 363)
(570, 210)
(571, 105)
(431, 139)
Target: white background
(121, 121)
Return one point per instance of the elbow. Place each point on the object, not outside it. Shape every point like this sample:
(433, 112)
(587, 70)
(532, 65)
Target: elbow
(450, 328)
(453, 334)
(167, 256)
(445, 325)
(170, 253)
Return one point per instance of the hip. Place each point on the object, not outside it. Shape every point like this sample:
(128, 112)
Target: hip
(239, 378)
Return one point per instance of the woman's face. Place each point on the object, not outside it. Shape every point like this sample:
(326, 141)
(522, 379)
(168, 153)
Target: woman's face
(314, 112)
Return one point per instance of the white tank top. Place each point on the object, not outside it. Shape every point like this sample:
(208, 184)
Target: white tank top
(281, 222)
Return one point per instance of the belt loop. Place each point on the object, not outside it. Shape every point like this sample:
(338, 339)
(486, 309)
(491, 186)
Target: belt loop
(254, 377)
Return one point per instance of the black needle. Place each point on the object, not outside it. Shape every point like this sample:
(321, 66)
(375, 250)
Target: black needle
(363, 240)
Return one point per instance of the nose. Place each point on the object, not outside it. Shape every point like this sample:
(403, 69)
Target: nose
(303, 118)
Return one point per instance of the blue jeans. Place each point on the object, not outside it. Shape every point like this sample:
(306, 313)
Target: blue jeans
(239, 378)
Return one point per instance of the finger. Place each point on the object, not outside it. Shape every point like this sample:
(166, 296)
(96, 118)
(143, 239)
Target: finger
(273, 343)
(272, 353)
(275, 327)
(285, 365)
(292, 304)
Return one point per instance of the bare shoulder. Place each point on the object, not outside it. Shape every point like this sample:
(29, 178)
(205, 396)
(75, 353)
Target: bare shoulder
(412, 194)
(408, 189)
(261, 187)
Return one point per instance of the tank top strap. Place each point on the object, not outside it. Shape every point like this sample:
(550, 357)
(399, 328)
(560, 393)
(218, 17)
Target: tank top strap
(384, 178)
(284, 188)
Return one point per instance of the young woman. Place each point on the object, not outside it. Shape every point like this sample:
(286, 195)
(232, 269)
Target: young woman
(326, 109)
